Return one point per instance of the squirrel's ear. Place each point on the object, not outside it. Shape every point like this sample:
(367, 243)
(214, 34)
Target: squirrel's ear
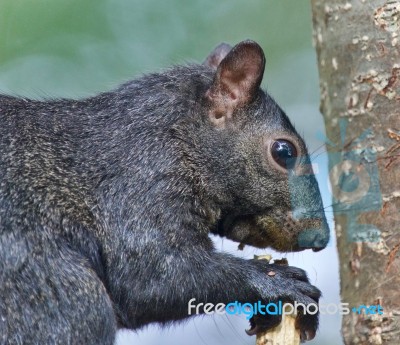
(214, 59)
(236, 81)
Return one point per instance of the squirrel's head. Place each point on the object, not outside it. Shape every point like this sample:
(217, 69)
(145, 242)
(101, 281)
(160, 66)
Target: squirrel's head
(251, 160)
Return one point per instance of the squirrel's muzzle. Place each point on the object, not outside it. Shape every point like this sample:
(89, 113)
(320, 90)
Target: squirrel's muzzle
(282, 231)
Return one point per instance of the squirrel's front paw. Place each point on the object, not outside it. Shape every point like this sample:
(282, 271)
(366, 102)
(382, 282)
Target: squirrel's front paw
(263, 323)
(290, 285)
(306, 323)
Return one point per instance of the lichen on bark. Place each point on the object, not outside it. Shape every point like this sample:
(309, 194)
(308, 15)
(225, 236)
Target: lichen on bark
(359, 65)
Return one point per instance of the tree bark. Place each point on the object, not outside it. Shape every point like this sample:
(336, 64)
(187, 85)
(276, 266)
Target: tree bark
(358, 47)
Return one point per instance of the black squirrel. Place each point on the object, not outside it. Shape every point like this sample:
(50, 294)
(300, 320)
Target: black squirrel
(106, 203)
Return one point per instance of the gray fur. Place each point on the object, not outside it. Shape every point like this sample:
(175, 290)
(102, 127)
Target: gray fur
(106, 205)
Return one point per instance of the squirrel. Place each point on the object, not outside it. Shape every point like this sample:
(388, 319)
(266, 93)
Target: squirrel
(107, 203)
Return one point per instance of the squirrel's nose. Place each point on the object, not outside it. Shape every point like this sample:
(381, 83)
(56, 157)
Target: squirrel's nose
(320, 243)
(315, 239)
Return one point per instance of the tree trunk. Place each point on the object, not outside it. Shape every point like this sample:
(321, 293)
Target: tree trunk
(358, 47)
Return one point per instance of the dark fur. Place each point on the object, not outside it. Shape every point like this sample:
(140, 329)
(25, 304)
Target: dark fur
(106, 205)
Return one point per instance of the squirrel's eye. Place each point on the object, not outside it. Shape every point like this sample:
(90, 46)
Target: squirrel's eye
(284, 153)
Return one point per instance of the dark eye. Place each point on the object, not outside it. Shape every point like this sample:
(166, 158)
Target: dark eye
(284, 153)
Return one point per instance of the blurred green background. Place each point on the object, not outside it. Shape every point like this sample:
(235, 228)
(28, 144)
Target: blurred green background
(71, 48)
(78, 47)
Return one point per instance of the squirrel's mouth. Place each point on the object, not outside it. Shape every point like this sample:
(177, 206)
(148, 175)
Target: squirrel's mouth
(276, 229)
(248, 230)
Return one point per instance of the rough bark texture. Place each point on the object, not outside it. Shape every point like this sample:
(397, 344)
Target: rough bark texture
(358, 48)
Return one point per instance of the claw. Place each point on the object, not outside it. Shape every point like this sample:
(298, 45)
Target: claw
(306, 336)
(254, 328)
(303, 336)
